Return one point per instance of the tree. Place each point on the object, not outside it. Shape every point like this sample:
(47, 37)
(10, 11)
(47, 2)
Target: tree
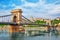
(40, 22)
(55, 21)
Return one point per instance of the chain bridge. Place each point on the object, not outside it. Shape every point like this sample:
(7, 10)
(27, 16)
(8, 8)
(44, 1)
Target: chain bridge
(16, 19)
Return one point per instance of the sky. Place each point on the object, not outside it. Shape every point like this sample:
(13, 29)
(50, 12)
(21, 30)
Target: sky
(48, 9)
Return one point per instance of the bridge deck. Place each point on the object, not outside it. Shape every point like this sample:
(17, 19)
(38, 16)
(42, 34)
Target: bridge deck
(14, 23)
(8, 23)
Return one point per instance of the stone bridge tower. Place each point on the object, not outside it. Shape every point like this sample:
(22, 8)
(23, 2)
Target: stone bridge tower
(16, 17)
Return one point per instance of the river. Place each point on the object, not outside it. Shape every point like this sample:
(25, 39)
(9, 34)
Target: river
(4, 35)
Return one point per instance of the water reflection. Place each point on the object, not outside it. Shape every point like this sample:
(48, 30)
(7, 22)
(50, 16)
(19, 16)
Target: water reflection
(40, 36)
(17, 36)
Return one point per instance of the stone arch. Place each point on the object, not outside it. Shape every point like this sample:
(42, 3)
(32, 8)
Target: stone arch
(14, 19)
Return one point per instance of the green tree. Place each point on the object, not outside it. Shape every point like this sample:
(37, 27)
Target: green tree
(2, 25)
(40, 22)
(55, 21)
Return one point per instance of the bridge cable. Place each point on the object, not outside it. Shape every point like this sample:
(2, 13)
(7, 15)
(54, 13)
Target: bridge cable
(5, 15)
(27, 19)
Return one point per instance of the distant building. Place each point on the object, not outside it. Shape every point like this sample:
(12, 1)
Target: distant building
(41, 19)
(32, 19)
(59, 24)
(58, 18)
(48, 21)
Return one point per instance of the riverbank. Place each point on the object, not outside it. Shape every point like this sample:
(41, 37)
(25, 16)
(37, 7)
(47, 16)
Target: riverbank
(6, 27)
(36, 28)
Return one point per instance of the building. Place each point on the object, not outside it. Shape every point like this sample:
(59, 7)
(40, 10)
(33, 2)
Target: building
(58, 18)
(48, 21)
(41, 19)
(32, 19)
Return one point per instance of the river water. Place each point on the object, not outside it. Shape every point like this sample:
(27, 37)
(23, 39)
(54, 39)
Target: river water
(19, 36)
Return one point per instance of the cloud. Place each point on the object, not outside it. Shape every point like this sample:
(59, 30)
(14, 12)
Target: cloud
(39, 9)
(42, 8)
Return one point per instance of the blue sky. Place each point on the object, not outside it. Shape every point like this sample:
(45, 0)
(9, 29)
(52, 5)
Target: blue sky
(36, 8)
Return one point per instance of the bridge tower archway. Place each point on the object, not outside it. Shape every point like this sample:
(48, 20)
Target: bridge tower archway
(16, 15)
(14, 19)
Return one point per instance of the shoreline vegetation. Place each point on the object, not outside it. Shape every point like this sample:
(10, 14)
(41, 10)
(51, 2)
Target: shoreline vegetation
(53, 22)
(3, 27)
(29, 28)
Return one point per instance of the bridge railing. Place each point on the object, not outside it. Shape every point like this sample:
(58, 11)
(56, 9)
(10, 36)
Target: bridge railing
(5, 18)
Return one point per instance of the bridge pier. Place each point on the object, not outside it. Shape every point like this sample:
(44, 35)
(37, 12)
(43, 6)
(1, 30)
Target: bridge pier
(13, 28)
(16, 17)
